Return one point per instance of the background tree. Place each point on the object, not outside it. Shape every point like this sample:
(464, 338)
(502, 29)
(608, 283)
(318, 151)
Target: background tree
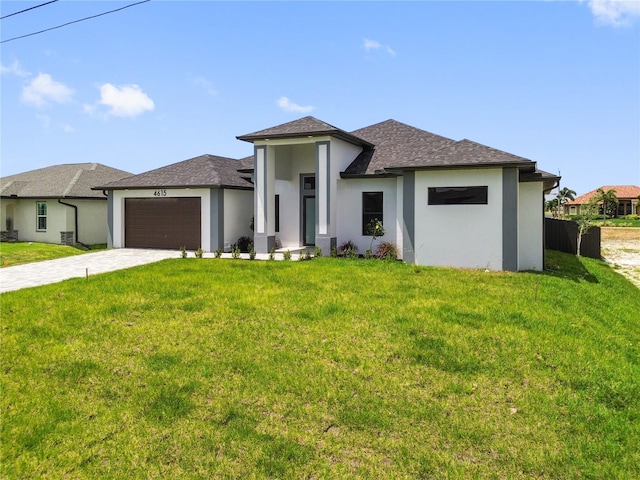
(609, 202)
(552, 206)
(565, 195)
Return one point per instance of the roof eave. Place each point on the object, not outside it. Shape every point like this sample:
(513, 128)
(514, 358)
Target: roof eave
(459, 166)
(347, 137)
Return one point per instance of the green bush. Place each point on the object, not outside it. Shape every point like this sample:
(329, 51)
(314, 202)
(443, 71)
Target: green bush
(387, 250)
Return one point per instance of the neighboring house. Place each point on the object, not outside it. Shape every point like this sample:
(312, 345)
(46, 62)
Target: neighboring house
(628, 202)
(442, 202)
(201, 202)
(56, 204)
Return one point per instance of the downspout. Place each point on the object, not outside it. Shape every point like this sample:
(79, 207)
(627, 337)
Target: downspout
(75, 208)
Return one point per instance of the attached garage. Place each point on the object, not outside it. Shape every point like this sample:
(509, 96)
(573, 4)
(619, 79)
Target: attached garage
(163, 222)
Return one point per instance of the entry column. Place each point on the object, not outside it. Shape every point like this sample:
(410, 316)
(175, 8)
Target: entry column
(264, 237)
(325, 217)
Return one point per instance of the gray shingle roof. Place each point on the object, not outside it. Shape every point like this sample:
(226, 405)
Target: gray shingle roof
(69, 181)
(396, 144)
(303, 127)
(462, 153)
(203, 171)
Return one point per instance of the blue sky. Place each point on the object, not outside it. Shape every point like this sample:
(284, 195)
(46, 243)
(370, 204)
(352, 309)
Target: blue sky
(164, 81)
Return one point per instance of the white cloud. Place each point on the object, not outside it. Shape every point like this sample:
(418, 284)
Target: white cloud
(616, 13)
(123, 101)
(68, 128)
(288, 106)
(43, 89)
(370, 45)
(14, 69)
(206, 85)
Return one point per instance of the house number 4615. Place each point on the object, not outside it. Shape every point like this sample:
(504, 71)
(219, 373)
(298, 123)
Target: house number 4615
(160, 193)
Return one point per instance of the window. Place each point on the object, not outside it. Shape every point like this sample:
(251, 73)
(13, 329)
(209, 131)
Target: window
(458, 195)
(309, 183)
(41, 216)
(277, 213)
(371, 208)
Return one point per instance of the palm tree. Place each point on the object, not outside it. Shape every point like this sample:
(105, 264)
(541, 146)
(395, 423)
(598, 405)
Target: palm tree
(608, 199)
(563, 196)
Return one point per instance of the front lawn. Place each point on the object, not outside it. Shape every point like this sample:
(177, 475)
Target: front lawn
(204, 368)
(26, 252)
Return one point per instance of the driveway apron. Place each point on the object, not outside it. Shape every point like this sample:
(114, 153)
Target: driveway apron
(52, 271)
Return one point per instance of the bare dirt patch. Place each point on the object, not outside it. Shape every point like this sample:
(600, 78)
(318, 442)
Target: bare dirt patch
(621, 247)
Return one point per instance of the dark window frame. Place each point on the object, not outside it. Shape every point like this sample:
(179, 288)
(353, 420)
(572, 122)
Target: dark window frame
(41, 216)
(460, 195)
(372, 208)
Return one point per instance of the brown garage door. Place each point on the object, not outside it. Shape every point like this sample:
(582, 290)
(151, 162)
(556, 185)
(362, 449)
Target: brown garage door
(162, 222)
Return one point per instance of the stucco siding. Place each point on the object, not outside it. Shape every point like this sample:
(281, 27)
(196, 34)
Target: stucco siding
(530, 226)
(238, 208)
(465, 236)
(349, 201)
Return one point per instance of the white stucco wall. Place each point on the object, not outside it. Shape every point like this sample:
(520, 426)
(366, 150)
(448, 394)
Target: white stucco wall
(119, 197)
(349, 201)
(238, 208)
(341, 155)
(465, 236)
(92, 219)
(530, 226)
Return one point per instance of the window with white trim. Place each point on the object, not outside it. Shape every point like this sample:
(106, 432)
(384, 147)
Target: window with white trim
(41, 216)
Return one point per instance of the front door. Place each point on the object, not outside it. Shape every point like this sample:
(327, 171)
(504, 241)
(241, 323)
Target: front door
(308, 208)
(309, 219)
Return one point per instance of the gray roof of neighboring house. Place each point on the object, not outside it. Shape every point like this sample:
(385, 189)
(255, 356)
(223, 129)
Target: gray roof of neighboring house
(303, 127)
(204, 171)
(73, 180)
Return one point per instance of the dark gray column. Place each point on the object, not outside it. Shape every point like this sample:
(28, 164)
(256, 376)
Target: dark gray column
(408, 217)
(510, 219)
(110, 219)
(216, 220)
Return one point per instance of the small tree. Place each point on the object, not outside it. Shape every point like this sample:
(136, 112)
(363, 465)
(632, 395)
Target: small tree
(588, 214)
(376, 230)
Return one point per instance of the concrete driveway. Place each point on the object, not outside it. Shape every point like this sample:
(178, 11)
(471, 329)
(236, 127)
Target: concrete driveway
(52, 271)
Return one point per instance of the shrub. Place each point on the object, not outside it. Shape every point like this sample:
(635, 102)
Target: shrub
(317, 251)
(245, 244)
(287, 255)
(235, 252)
(387, 250)
(368, 253)
(632, 216)
(183, 252)
(307, 255)
(272, 254)
(218, 252)
(348, 248)
(199, 252)
(252, 254)
(334, 252)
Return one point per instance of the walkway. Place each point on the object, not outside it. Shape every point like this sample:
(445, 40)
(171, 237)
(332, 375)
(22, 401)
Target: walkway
(52, 271)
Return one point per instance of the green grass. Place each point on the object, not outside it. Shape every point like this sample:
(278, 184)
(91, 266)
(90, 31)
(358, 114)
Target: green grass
(26, 252)
(324, 369)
